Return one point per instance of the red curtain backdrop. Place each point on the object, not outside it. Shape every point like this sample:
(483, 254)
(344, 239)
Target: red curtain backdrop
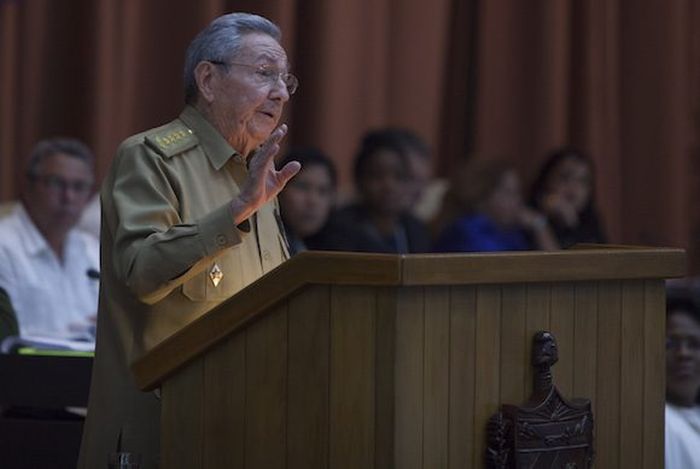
(496, 78)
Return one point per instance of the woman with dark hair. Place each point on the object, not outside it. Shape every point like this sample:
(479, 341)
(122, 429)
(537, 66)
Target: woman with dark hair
(564, 192)
(380, 220)
(484, 211)
(682, 384)
(307, 200)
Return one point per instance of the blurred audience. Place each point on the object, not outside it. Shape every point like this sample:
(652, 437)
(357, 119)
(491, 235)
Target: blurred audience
(380, 220)
(307, 199)
(48, 268)
(484, 211)
(682, 384)
(564, 192)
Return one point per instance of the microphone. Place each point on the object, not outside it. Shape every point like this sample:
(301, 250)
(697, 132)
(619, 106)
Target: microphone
(93, 274)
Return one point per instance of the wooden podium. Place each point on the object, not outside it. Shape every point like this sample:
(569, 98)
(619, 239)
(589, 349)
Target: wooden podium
(338, 360)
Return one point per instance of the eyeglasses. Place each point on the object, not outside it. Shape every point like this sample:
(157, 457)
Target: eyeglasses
(675, 343)
(267, 75)
(60, 185)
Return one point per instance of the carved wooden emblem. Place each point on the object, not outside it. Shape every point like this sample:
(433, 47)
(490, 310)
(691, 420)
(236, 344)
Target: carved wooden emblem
(548, 431)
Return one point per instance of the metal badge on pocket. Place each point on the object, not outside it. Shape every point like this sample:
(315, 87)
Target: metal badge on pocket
(215, 274)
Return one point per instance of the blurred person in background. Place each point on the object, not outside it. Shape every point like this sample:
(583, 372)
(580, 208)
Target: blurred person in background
(48, 267)
(380, 221)
(682, 384)
(307, 200)
(424, 192)
(564, 192)
(484, 211)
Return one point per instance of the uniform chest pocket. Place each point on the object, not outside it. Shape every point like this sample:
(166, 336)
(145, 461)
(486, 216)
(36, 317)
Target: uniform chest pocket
(221, 279)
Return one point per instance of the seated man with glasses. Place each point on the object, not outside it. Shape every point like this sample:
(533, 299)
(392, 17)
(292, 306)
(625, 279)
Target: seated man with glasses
(48, 266)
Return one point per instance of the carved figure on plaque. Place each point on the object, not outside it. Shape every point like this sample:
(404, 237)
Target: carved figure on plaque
(548, 431)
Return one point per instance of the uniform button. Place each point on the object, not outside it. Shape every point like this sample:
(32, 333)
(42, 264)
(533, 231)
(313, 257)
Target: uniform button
(266, 255)
(220, 240)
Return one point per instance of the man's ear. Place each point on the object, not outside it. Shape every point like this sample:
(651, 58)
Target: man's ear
(205, 76)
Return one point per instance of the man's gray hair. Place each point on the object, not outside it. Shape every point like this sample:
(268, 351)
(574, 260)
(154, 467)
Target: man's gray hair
(220, 41)
(49, 147)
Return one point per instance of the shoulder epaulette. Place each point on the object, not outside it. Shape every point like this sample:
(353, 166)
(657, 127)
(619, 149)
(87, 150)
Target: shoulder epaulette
(172, 139)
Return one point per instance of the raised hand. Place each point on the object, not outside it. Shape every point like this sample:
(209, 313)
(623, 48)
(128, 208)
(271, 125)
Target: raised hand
(536, 223)
(264, 181)
(558, 207)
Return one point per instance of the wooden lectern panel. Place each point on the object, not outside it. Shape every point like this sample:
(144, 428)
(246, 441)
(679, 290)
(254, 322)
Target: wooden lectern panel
(462, 380)
(409, 379)
(436, 379)
(352, 377)
(632, 372)
(406, 372)
(266, 390)
(608, 380)
(585, 339)
(487, 369)
(514, 345)
(561, 324)
(344, 376)
(606, 358)
(654, 372)
(294, 389)
(309, 368)
(224, 423)
(385, 354)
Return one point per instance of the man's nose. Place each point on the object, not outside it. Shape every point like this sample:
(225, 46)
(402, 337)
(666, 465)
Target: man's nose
(68, 195)
(280, 90)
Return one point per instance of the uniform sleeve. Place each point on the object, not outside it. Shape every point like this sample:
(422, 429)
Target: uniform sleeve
(154, 251)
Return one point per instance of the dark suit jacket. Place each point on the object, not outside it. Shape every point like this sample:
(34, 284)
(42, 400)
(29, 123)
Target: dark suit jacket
(350, 230)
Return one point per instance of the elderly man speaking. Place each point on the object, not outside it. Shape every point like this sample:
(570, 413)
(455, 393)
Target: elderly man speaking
(189, 218)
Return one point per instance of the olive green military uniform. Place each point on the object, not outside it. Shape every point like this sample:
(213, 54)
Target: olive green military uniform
(170, 252)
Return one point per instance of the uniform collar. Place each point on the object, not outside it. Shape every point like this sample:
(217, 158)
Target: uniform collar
(215, 145)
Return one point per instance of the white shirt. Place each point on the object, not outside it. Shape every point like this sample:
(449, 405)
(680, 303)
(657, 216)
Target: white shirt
(50, 298)
(90, 219)
(682, 437)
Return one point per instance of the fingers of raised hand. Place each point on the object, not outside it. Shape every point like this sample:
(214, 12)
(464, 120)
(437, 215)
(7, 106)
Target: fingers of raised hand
(266, 152)
(288, 171)
(271, 145)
